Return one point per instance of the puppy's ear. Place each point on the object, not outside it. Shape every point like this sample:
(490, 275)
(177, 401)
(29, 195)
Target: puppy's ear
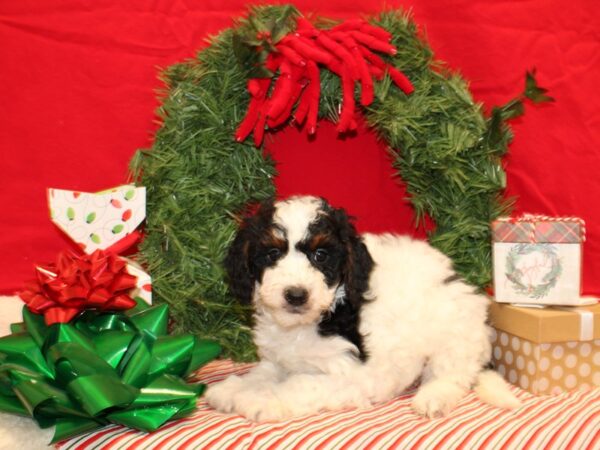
(238, 262)
(358, 263)
(241, 281)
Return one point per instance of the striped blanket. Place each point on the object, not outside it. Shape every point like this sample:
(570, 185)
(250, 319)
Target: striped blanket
(566, 421)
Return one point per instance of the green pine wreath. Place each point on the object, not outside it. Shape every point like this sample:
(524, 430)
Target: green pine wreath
(199, 179)
(516, 275)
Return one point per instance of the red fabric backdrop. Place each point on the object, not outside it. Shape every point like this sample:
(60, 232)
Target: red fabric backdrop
(79, 77)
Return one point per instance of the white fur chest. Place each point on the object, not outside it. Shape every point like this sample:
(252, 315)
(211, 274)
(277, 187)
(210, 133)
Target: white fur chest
(301, 349)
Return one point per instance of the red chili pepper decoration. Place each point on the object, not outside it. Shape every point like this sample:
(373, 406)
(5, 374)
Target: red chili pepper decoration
(307, 49)
(348, 50)
(246, 125)
(273, 62)
(338, 50)
(347, 112)
(285, 115)
(281, 90)
(313, 99)
(258, 90)
(397, 77)
(366, 82)
(303, 104)
(377, 32)
(400, 80)
(258, 86)
(374, 43)
(366, 96)
(372, 58)
(377, 73)
(305, 28)
(291, 55)
(352, 24)
(295, 89)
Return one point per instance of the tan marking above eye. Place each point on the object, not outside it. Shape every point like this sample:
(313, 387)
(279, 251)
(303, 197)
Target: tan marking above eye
(271, 240)
(319, 240)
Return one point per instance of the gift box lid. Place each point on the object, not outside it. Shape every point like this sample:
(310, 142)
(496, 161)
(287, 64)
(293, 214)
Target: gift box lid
(547, 324)
(538, 229)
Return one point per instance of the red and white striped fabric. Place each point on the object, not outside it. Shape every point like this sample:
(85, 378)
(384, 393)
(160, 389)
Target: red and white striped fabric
(567, 421)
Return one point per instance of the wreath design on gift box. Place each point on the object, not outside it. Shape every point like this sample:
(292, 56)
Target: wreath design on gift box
(518, 275)
(199, 178)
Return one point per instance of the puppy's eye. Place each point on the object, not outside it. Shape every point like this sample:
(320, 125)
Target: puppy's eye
(320, 255)
(273, 254)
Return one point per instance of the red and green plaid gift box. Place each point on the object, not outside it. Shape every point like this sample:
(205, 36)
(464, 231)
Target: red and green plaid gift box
(537, 259)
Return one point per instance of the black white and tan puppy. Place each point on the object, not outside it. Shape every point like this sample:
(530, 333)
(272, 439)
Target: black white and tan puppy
(346, 320)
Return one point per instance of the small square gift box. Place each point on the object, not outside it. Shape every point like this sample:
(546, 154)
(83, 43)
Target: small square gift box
(547, 350)
(537, 260)
(105, 220)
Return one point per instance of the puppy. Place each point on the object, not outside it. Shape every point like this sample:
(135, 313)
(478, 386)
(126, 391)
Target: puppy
(346, 321)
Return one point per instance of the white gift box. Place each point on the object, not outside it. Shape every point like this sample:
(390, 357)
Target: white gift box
(100, 220)
(537, 260)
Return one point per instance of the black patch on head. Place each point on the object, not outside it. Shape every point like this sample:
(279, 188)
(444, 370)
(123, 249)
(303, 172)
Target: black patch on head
(257, 245)
(348, 263)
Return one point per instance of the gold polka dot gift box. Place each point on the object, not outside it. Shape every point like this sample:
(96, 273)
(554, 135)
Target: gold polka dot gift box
(537, 259)
(548, 350)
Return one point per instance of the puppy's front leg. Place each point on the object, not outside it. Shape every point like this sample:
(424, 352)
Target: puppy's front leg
(222, 396)
(302, 394)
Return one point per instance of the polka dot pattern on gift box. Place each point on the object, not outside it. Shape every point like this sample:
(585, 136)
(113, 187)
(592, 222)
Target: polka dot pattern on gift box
(547, 368)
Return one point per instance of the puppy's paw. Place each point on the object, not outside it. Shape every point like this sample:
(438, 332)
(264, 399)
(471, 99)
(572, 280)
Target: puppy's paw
(221, 395)
(437, 398)
(260, 405)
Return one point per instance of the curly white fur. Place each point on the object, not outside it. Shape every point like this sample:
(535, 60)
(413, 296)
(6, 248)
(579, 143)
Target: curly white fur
(418, 323)
(22, 433)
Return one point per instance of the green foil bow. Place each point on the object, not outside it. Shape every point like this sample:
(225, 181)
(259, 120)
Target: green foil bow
(101, 368)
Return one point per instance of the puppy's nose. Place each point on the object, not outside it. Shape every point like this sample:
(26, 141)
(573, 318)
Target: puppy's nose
(296, 296)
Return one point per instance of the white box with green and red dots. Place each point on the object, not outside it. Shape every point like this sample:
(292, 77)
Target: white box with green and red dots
(103, 221)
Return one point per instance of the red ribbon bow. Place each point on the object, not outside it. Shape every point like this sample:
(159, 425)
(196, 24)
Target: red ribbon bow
(78, 282)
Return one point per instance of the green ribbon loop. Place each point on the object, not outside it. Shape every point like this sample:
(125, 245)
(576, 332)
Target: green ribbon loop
(101, 368)
(21, 349)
